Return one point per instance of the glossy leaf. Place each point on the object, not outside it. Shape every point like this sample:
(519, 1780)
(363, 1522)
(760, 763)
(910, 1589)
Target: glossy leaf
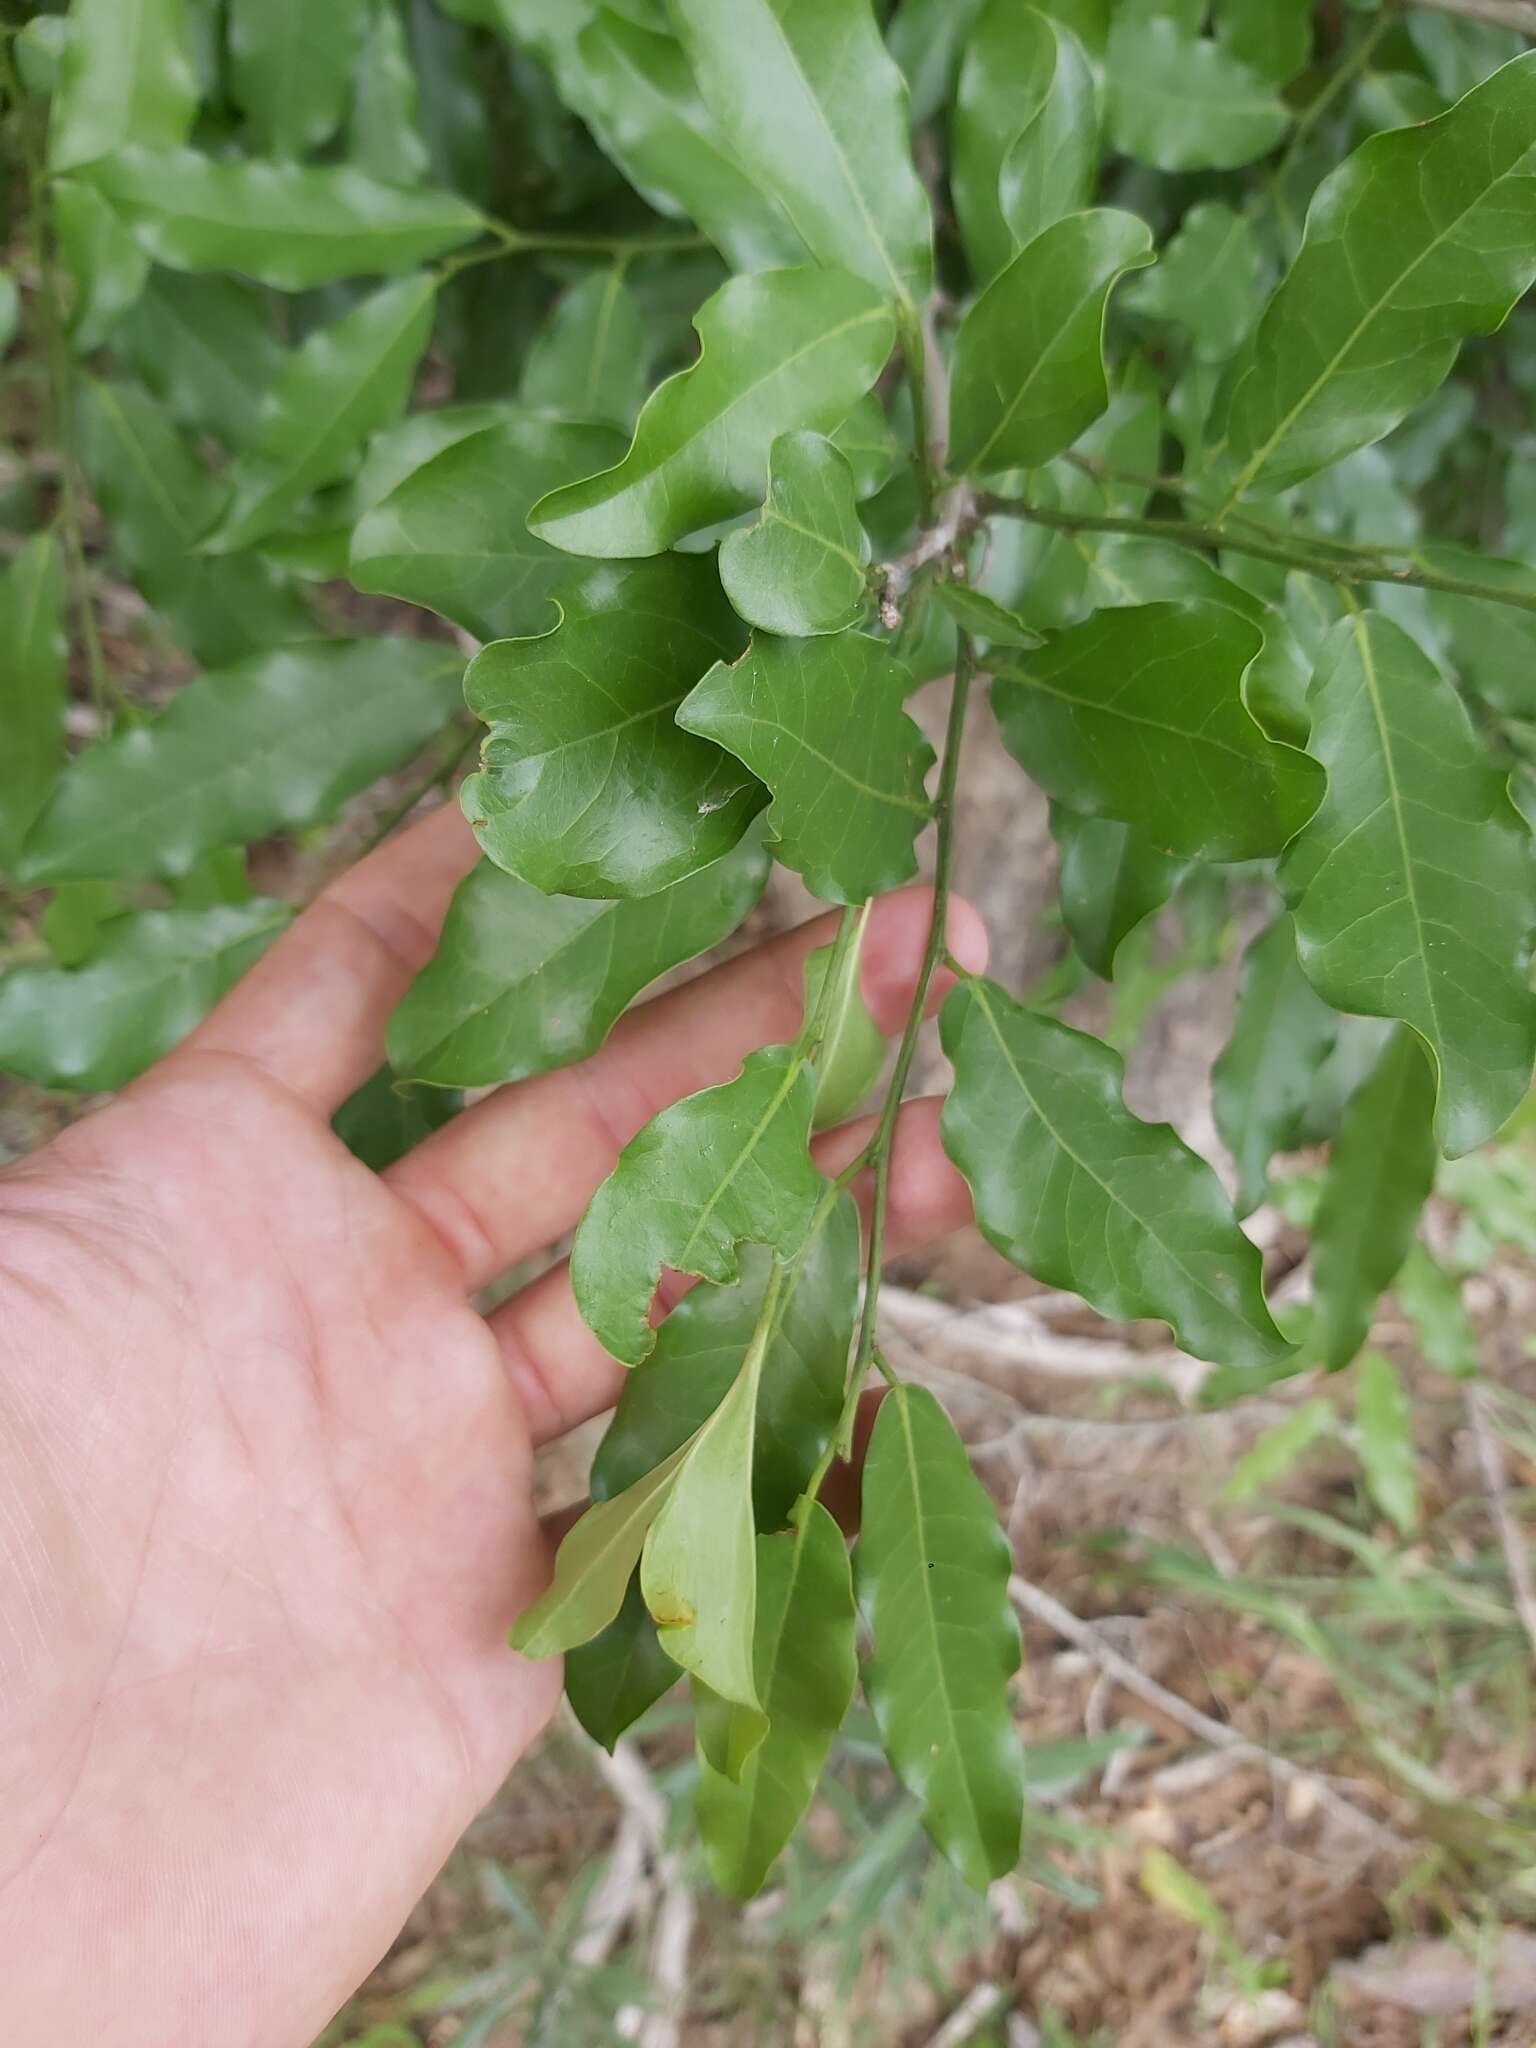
(289, 225)
(1029, 357)
(384, 137)
(1261, 1084)
(590, 359)
(586, 786)
(383, 1120)
(989, 623)
(1412, 887)
(33, 688)
(155, 975)
(1205, 280)
(789, 348)
(1138, 714)
(101, 268)
(290, 69)
(1274, 40)
(1025, 133)
(124, 77)
(273, 744)
(926, 39)
(1380, 1172)
(1111, 878)
(620, 1674)
(932, 1569)
(1081, 1194)
(1182, 102)
(206, 348)
(522, 982)
(593, 1566)
(805, 1667)
(343, 384)
(718, 1169)
(452, 533)
(866, 439)
(820, 722)
(852, 1050)
(817, 113)
(699, 1349)
(801, 567)
(1423, 236)
(1384, 1441)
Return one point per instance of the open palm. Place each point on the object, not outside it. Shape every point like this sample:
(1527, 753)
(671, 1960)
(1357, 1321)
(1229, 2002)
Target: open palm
(265, 1471)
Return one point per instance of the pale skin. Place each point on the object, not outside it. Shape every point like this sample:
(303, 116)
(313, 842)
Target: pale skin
(266, 1509)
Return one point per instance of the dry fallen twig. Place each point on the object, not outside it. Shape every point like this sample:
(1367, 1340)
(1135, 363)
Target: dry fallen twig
(656, 1876)
(972, 2013)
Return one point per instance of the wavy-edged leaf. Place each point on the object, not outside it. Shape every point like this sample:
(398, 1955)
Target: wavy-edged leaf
(801, 567)
(155, 974)
(590, 359)
(852, 1049)
(340, 386)
(452, 533)
(1077, 1191)
(718, 1169)
(1262, 1082)
(1029, 357)
(621, 1673)
(1423, 236)
(1380, 1172)
(125, 77)
(932, 1569)
(288, 225)
(290, 69)
(1384, 1441)
(817, 113)
(1112, 878)
(805, 1668)
(276, 743)
(1138, 714)
(820, 722)
(206, 348)
(1206, 280)
(786, 349)
(1182, 102)
(594, 1565)
(1413, 887)
(33, 688)
(699, 1349)
(1025, 132)
(522, 982)
(586, 786)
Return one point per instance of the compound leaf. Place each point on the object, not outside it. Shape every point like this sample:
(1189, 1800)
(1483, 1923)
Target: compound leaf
(33, 688)
(821, 723)
(1182, 102)
(1111, 878)
(801, 567)
(1081, 1194)
(586, 786)
(125, 77)
(1413, 887)
(932, 1569)
(291, 64)
(784, 349)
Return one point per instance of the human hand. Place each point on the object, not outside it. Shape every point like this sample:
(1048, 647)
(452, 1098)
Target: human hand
(265, 1472)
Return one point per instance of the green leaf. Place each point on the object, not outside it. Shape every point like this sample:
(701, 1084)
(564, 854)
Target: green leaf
(452, 533)
(206, 348)
(788, 348)
(156, 974)
(586, 787)
(1262, 1081)
(72, 924)
(1025, 133)
(801, 567)
(343, 384)
(817, 113)
(1413, 886)
(872, 449)
(699, 1349)
(620, 1674)
(821, 723)
(591, 358)
(804, 1665)
(383, 1120)
(1206, 280)
(852, 1050)
(1029, 357)
(1274, 40)
(1081, 1194)
(272, 744)
(593, 1566)
(723, 1167)
(1111, 878)
(522, 982)
(1277, 1450)
(932, 1570)
(926, 38)
(101, 267)
(1423, 236)
(289, 225)
(290, 68)
(1430, 1298)
(124, 77)
(33, 688)
(989, 623)
(1184, 103)
(1380, 1172)
(1138, 714)
(384, 137)
(1384, 1441)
